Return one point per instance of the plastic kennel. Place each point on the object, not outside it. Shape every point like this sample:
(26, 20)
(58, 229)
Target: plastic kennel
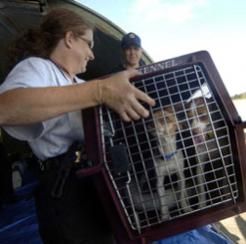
(181, 168)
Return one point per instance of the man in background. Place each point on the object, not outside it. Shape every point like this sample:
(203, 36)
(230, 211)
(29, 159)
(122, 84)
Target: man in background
(132, 52)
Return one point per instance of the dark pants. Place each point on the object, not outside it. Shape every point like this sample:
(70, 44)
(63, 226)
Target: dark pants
(75, 218)
(6, 186)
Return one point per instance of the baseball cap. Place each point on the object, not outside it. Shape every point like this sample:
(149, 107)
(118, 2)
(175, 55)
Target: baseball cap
(130, 39)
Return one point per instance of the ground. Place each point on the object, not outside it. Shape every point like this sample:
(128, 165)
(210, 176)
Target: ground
(234, 228)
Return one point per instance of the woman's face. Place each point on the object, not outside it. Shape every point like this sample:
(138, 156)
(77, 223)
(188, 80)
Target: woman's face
(82, 51)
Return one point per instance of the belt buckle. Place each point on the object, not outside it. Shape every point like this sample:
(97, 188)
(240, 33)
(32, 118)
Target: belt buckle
(78, 157)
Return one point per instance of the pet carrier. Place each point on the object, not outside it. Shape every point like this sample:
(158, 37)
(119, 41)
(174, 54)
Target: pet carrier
(178, 169)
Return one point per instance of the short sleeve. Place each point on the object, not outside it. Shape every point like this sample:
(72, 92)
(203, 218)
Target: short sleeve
(31, 72)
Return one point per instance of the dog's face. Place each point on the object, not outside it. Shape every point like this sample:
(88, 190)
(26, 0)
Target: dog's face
(198, 110)
(200, 122)
(165, 122)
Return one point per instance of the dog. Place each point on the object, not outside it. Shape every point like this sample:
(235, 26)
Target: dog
(204, 130)
(198, 114)
(170, 159)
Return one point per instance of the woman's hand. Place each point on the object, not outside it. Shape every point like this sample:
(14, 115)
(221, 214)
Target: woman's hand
(123, 97)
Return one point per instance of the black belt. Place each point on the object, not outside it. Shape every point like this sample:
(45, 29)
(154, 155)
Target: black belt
(55, 162)
(76, 154)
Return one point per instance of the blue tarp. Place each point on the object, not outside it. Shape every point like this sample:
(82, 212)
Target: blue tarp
(18, 225)
(18, 221)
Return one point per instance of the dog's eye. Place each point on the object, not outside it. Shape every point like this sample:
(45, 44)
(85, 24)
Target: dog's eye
(210, 135)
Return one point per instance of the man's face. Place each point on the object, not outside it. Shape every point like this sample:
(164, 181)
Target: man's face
(133, 55)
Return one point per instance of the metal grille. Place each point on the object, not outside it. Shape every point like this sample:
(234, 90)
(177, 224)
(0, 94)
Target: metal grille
(176, 162)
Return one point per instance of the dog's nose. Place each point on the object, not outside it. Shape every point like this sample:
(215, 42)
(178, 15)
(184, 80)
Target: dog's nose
(198, 135)
(196, 131)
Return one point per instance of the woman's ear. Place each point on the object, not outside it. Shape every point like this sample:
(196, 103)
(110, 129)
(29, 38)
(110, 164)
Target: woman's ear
(69, 39)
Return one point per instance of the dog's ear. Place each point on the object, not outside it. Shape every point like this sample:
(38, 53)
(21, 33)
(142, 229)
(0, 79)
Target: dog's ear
(151, 124)
(155, 126)
(157, 119)
(190, 107)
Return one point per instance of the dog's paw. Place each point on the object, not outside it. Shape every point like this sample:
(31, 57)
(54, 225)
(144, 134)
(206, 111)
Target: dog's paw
(164, 213)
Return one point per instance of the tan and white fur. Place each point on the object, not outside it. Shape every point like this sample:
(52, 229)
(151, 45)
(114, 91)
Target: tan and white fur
(201, 134)
(172, 160)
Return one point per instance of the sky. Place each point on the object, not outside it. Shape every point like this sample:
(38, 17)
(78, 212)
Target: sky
(171, 28)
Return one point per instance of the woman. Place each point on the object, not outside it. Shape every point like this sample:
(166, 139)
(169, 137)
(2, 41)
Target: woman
(42, 99)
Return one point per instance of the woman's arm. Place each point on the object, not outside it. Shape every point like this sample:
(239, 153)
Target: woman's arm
(29, 105)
